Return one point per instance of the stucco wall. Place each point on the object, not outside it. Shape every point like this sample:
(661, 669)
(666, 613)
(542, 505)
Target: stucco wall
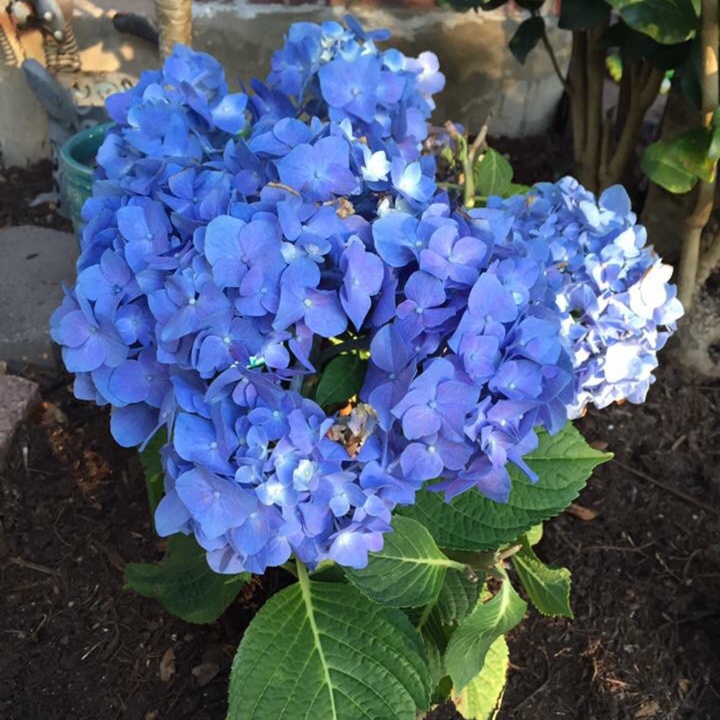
(472, 47)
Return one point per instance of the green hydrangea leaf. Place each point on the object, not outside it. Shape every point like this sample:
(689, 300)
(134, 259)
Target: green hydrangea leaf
(324, 650)
(342, 378)
(471, 521)
(493, 174)
(482, 696)
(547, 587)
(184, 583)
(470, 643)
(408, 572)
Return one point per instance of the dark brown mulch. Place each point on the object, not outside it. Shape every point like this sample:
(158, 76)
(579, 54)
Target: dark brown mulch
(18, 188)
(644, 643)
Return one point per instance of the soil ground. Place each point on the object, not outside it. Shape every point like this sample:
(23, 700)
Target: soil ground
(18, 188)
(645, 642)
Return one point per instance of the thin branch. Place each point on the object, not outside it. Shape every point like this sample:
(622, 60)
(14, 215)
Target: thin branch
(624, 98)
(553, 57)
(607, 142)
(596, 50)
(705, 199)
(645, 83)
(480, 142)
(690, 254)
(578, 98)
(469, 162)
(709, 260)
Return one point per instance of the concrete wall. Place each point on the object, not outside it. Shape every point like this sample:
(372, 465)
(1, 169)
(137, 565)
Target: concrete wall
(481, 73)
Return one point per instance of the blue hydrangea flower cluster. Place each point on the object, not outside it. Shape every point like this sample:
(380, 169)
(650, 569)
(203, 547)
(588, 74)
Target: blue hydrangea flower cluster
(612, 289)
(339, 72)
(233, 249)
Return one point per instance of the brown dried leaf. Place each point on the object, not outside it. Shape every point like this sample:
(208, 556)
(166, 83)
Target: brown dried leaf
(167, 665)
(648, 710)
(582, 513)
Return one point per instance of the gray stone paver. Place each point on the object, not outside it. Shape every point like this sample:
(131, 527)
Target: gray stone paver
(34, 264)
(18, 396)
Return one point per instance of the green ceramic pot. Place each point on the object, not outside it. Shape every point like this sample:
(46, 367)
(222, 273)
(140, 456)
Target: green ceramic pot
(77, 165)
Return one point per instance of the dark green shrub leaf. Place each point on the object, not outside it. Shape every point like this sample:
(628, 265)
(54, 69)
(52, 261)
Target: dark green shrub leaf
(325, 651)
(408, 572)
(678, 164)
(470, 643)
(667, 21)
(582, 14)
(530, 4)
(493, 174)
(465, 5)
(184, 583)
(547, 587)
(482, 695)
(526, 37)
(563, 461)
(342, 378)
(635, 47)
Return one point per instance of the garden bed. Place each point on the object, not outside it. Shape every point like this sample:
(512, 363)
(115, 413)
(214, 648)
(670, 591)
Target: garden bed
(646, 574)
(646, 567)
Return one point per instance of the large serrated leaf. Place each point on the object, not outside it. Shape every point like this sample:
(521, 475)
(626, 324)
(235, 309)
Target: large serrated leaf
(408, 571)
(482, 696)
(325, 651)
(437, 621)
(548, 587)
(665, 21)
(457, 598)
(184, 583)
(563, 462)
(470, 643)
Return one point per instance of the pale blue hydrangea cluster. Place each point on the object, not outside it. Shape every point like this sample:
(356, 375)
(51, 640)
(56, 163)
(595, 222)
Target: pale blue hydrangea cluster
(235, 243)
(619, 308)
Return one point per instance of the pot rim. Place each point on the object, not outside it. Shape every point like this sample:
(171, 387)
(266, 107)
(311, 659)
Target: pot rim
(67, 152)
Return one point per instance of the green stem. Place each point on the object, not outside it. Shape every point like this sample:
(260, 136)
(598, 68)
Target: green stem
(289, 566)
